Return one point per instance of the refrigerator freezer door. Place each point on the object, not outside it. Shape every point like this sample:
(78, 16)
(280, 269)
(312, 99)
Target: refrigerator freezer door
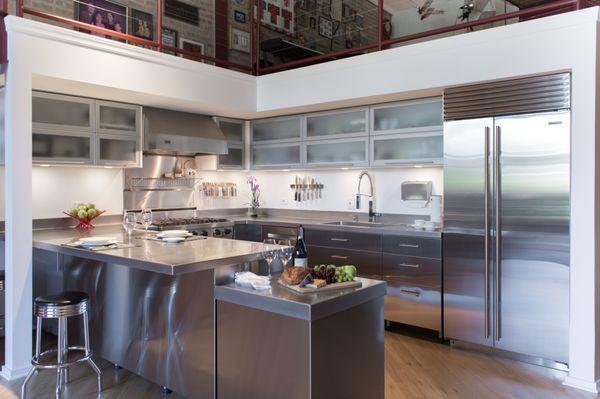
(467, 307)
(533, 306)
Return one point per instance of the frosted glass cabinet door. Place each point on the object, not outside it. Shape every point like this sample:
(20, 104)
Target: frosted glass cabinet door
(407, 116)
(233, 130)
(117, 118)
(62, 113)
(61, 148)
(277, 130)
(117, 150)
(344, 123)
(407, 149)
(337, 152)
(234, 159)
(276, 155)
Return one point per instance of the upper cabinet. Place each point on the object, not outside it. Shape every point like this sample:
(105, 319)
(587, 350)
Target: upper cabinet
(341, 123)
(116, 118)
(277, 130)
(62, 113)
(234, 133)
(75, 130)
(407, 116)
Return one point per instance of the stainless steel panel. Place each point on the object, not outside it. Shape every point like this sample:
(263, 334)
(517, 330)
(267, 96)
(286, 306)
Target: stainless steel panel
(465, 285)
(343, 239)
(412, 246)
(534, 242)
(413, 304)
(421, 271)
(143, 321)
(167, 199)
(514, 96)
(368, 264)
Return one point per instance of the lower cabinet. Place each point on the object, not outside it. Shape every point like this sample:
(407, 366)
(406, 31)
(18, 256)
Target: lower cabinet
(368, 264)
(414, 305)
(248, 232)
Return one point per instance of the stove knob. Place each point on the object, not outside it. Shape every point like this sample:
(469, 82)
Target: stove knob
(204, 233)
(217, 233)
(227, 232)
(194, 232)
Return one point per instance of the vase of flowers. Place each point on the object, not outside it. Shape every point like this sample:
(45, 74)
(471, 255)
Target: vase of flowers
(254, 203)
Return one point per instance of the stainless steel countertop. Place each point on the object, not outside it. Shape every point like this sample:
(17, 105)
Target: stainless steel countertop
(151, 255)
(384, 228)
(311, 306)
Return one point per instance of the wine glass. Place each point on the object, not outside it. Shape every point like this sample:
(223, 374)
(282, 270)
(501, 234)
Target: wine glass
(146, 218)
(269, 253)
(286, 253)
(129, 223)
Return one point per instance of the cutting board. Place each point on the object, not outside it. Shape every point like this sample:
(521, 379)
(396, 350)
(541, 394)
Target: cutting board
(328, 287)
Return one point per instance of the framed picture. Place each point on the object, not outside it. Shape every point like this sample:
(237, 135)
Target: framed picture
(191, 46)
(141, 24)
(239, 16)
(325, 27)
(239, 40)
(169, 38)
(102, 13)
(312, 23)
(182, 11)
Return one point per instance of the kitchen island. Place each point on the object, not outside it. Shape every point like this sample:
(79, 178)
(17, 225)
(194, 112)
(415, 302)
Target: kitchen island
(153, 304)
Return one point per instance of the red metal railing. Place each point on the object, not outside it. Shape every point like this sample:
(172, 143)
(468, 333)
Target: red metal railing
(254, 66)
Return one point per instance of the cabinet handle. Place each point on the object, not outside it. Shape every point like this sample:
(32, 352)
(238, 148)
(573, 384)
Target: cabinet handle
(413, 265)
(404, 245)
(410, 292)
(340, 239)
(339, 257)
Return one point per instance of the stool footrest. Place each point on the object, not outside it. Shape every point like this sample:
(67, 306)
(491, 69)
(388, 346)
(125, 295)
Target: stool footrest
(35, 361)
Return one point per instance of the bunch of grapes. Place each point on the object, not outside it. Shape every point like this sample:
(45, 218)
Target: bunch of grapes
(324, 272)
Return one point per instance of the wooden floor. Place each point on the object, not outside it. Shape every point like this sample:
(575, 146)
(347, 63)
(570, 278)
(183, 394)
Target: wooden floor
(415, 368)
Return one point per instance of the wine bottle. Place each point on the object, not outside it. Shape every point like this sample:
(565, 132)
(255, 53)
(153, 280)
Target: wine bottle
(300, 252)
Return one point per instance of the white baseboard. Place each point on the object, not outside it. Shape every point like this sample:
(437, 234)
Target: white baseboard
(590, 386)
(10, 374)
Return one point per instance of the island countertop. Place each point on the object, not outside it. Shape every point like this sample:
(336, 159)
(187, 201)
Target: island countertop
(308, 306)
(151, 255)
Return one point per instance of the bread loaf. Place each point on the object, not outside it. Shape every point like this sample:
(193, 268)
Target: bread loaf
(293, 275)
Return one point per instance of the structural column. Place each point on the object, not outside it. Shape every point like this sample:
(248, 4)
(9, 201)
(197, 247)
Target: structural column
(18, 217)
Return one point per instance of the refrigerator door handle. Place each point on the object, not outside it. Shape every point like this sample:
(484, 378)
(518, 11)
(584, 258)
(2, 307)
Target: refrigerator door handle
(497, 236)
(486, 235)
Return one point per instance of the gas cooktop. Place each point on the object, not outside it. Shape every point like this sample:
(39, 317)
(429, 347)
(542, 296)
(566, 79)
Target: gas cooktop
(203, 226)
(190, 221)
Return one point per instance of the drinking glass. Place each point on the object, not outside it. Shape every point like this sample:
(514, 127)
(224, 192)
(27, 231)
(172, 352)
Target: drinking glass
(286, 253)
(129, 223)
(269, 253)
(146, 218)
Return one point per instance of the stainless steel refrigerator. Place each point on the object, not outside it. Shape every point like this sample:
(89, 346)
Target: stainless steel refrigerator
(506, 217)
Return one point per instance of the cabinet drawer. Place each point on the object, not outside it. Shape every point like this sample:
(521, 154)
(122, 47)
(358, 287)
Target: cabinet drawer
(343, 239)
(367, 264)
(412, 270)
(413, 305)
(413, 246)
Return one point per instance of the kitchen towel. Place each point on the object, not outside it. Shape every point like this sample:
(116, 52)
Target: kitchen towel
(249, 279)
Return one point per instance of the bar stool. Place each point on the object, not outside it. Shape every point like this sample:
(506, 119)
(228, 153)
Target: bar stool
(61, 306)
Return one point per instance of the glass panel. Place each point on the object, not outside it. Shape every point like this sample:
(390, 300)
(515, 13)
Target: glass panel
(276, 129)
(408, 116)
(280, 155)
(60, 112)
(65, 147)
(408, 148)
(403, 18)
(339, 123)
(117, 150)
(116, 118)
(235, 157)
(301, 29)
(338, 152)
(234, 131)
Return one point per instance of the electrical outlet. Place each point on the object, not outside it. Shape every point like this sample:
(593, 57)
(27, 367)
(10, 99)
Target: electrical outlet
(350, 205)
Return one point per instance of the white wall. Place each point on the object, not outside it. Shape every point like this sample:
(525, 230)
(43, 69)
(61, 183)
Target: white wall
(339, 191)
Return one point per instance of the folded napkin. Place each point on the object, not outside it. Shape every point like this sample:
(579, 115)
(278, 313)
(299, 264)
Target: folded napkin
(249, 279)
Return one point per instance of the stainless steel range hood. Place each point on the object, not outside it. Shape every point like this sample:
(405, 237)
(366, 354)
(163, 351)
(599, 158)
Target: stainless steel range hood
(169, 132)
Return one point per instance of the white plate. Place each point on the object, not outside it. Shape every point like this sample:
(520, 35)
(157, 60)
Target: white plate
(93, 241)
(174, 233)
(160, 235)
(173, 240)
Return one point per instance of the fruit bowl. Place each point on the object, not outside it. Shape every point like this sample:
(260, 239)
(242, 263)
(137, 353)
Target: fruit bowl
(84, 214)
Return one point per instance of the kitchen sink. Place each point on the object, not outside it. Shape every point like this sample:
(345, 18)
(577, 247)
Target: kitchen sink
(355, 224)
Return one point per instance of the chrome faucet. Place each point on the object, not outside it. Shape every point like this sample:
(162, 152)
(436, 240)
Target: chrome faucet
(372, 214)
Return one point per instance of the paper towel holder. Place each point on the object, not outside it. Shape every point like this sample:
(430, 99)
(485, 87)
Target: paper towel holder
(416, 191)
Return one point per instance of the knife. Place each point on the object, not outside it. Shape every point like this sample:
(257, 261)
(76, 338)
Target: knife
(296, 188)
(312, 188)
